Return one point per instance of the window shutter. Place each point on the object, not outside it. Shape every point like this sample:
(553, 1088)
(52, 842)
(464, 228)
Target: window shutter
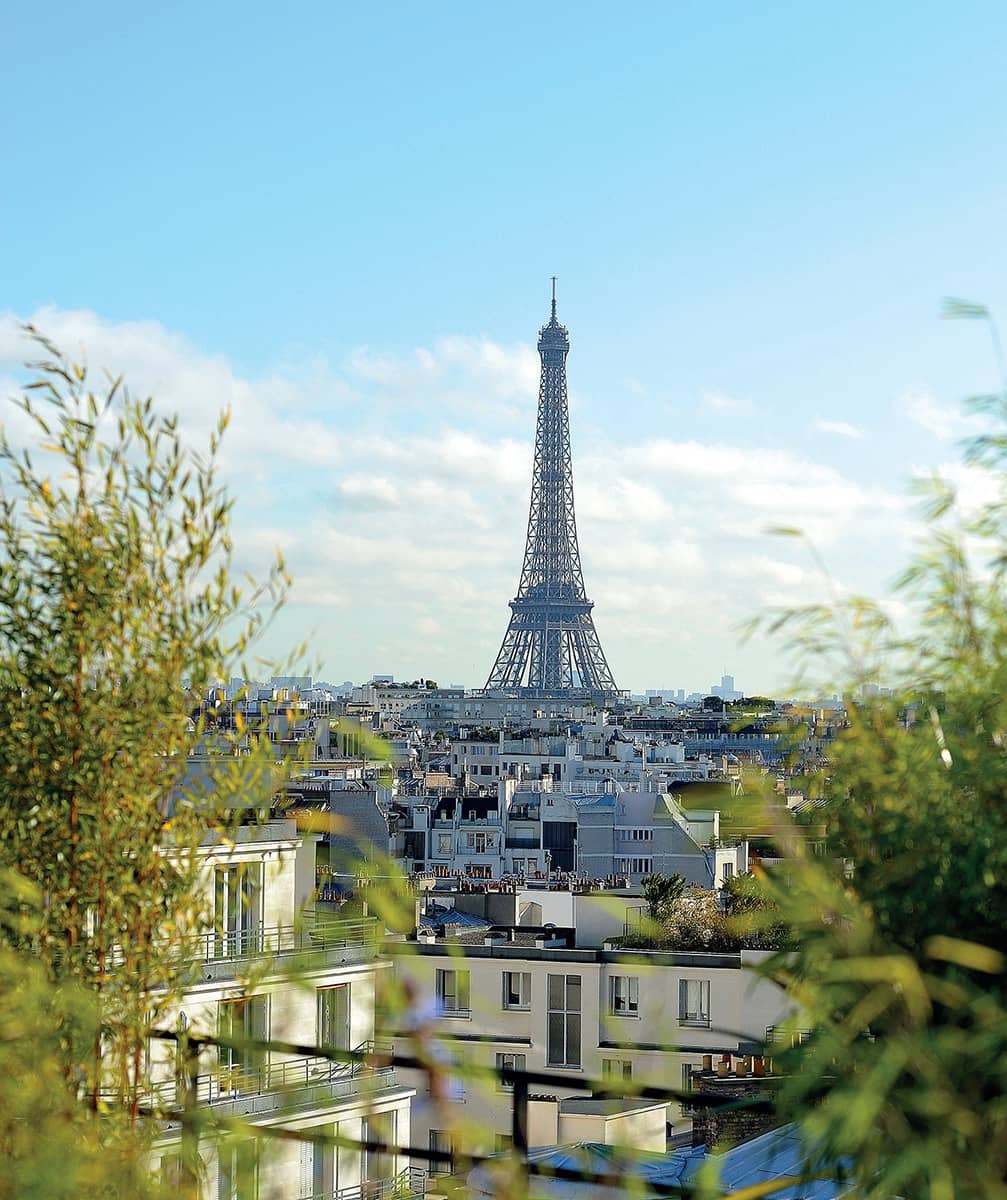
(307, 1181)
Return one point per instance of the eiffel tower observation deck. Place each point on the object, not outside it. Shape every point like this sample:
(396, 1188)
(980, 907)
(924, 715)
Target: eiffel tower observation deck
(551, 647)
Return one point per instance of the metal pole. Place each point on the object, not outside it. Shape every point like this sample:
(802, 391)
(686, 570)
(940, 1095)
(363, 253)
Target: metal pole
(519, 1138)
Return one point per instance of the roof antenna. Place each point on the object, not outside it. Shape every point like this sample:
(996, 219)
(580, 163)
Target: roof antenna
(554, 297)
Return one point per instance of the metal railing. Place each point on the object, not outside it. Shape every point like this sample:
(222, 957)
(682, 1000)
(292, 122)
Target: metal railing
(405, 1185)
(518, 1084)
(314, 933)
(782, 1037)
(314, 1076)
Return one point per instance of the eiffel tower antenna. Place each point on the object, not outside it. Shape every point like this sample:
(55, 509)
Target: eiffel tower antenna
(551, 646)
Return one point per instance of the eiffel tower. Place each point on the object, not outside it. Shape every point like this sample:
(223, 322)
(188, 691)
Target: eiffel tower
(551, 647)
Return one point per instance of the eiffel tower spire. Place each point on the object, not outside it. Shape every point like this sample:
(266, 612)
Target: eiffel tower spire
(551, 645)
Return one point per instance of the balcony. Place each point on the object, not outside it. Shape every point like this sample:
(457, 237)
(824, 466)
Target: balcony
(409, 1184)
(223, 955)
(256, 1091)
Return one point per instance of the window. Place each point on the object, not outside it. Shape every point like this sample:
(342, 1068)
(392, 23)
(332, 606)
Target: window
(171, 1171)
(563, 1029)
(441, 1140)
(687, 1109)
(242, 1020)
(624, 996)
(332, 1027)
(503, 1142)
(728, 870)
(512, 1062)
(379, 1167)
(641, 866)
(616, 1068)
(517, 989)
(319, 1173)
(238, 1170)
(694, 1002)
(453, 993)
(237, 909)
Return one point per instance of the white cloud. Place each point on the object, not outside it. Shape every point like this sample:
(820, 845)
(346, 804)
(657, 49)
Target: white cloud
(401, 507)
(718, 402)
(946, 422)
(838, 428)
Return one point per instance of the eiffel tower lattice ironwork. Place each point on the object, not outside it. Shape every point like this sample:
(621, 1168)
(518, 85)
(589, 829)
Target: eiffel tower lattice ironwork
(551, 645)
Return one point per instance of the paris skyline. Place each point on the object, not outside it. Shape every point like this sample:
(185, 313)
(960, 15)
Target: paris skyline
(753, 223)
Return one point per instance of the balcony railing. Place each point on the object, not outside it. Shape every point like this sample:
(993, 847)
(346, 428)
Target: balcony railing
(356, 940)
(775, 1036)
(290, 1082)
(409, 1184)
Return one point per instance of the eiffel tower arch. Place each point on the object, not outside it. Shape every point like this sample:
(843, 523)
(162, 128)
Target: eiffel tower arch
(551, 646)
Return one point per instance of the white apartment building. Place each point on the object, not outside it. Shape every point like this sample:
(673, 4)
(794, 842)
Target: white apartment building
(538, 829)
(635, 1017)
(266, 971)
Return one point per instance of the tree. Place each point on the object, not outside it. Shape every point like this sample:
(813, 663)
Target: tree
(900, 933)
(661, 892)
(117, 603)
(752, 913)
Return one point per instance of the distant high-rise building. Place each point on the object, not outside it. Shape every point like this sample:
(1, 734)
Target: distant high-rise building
(551, 645)
(726, 689)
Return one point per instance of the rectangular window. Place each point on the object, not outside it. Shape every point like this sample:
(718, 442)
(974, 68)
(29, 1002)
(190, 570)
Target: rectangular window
(238, 1170)
(513, 1062)
(453, 993)
(379, 1165)
(517, 989)
(244, 1021)
(687, 1109)
(171, 1171)
(563, 1021)
(332, 1027)
(624, 996)
(616, 1068)
(441, 1140)
(318, 1165)
(694, 1002)
(728, 870)
(237, 909)
(503, 1142)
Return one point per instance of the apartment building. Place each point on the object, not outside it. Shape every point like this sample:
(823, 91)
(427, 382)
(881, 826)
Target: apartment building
(539, 829)
(269, 968)
(525, 999)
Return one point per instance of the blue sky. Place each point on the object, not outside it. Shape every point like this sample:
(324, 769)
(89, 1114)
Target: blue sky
(341, 219)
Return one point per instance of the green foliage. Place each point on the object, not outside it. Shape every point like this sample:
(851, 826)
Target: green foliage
(693, 918)
(661, 892)
(117, 604)
(899, 938)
